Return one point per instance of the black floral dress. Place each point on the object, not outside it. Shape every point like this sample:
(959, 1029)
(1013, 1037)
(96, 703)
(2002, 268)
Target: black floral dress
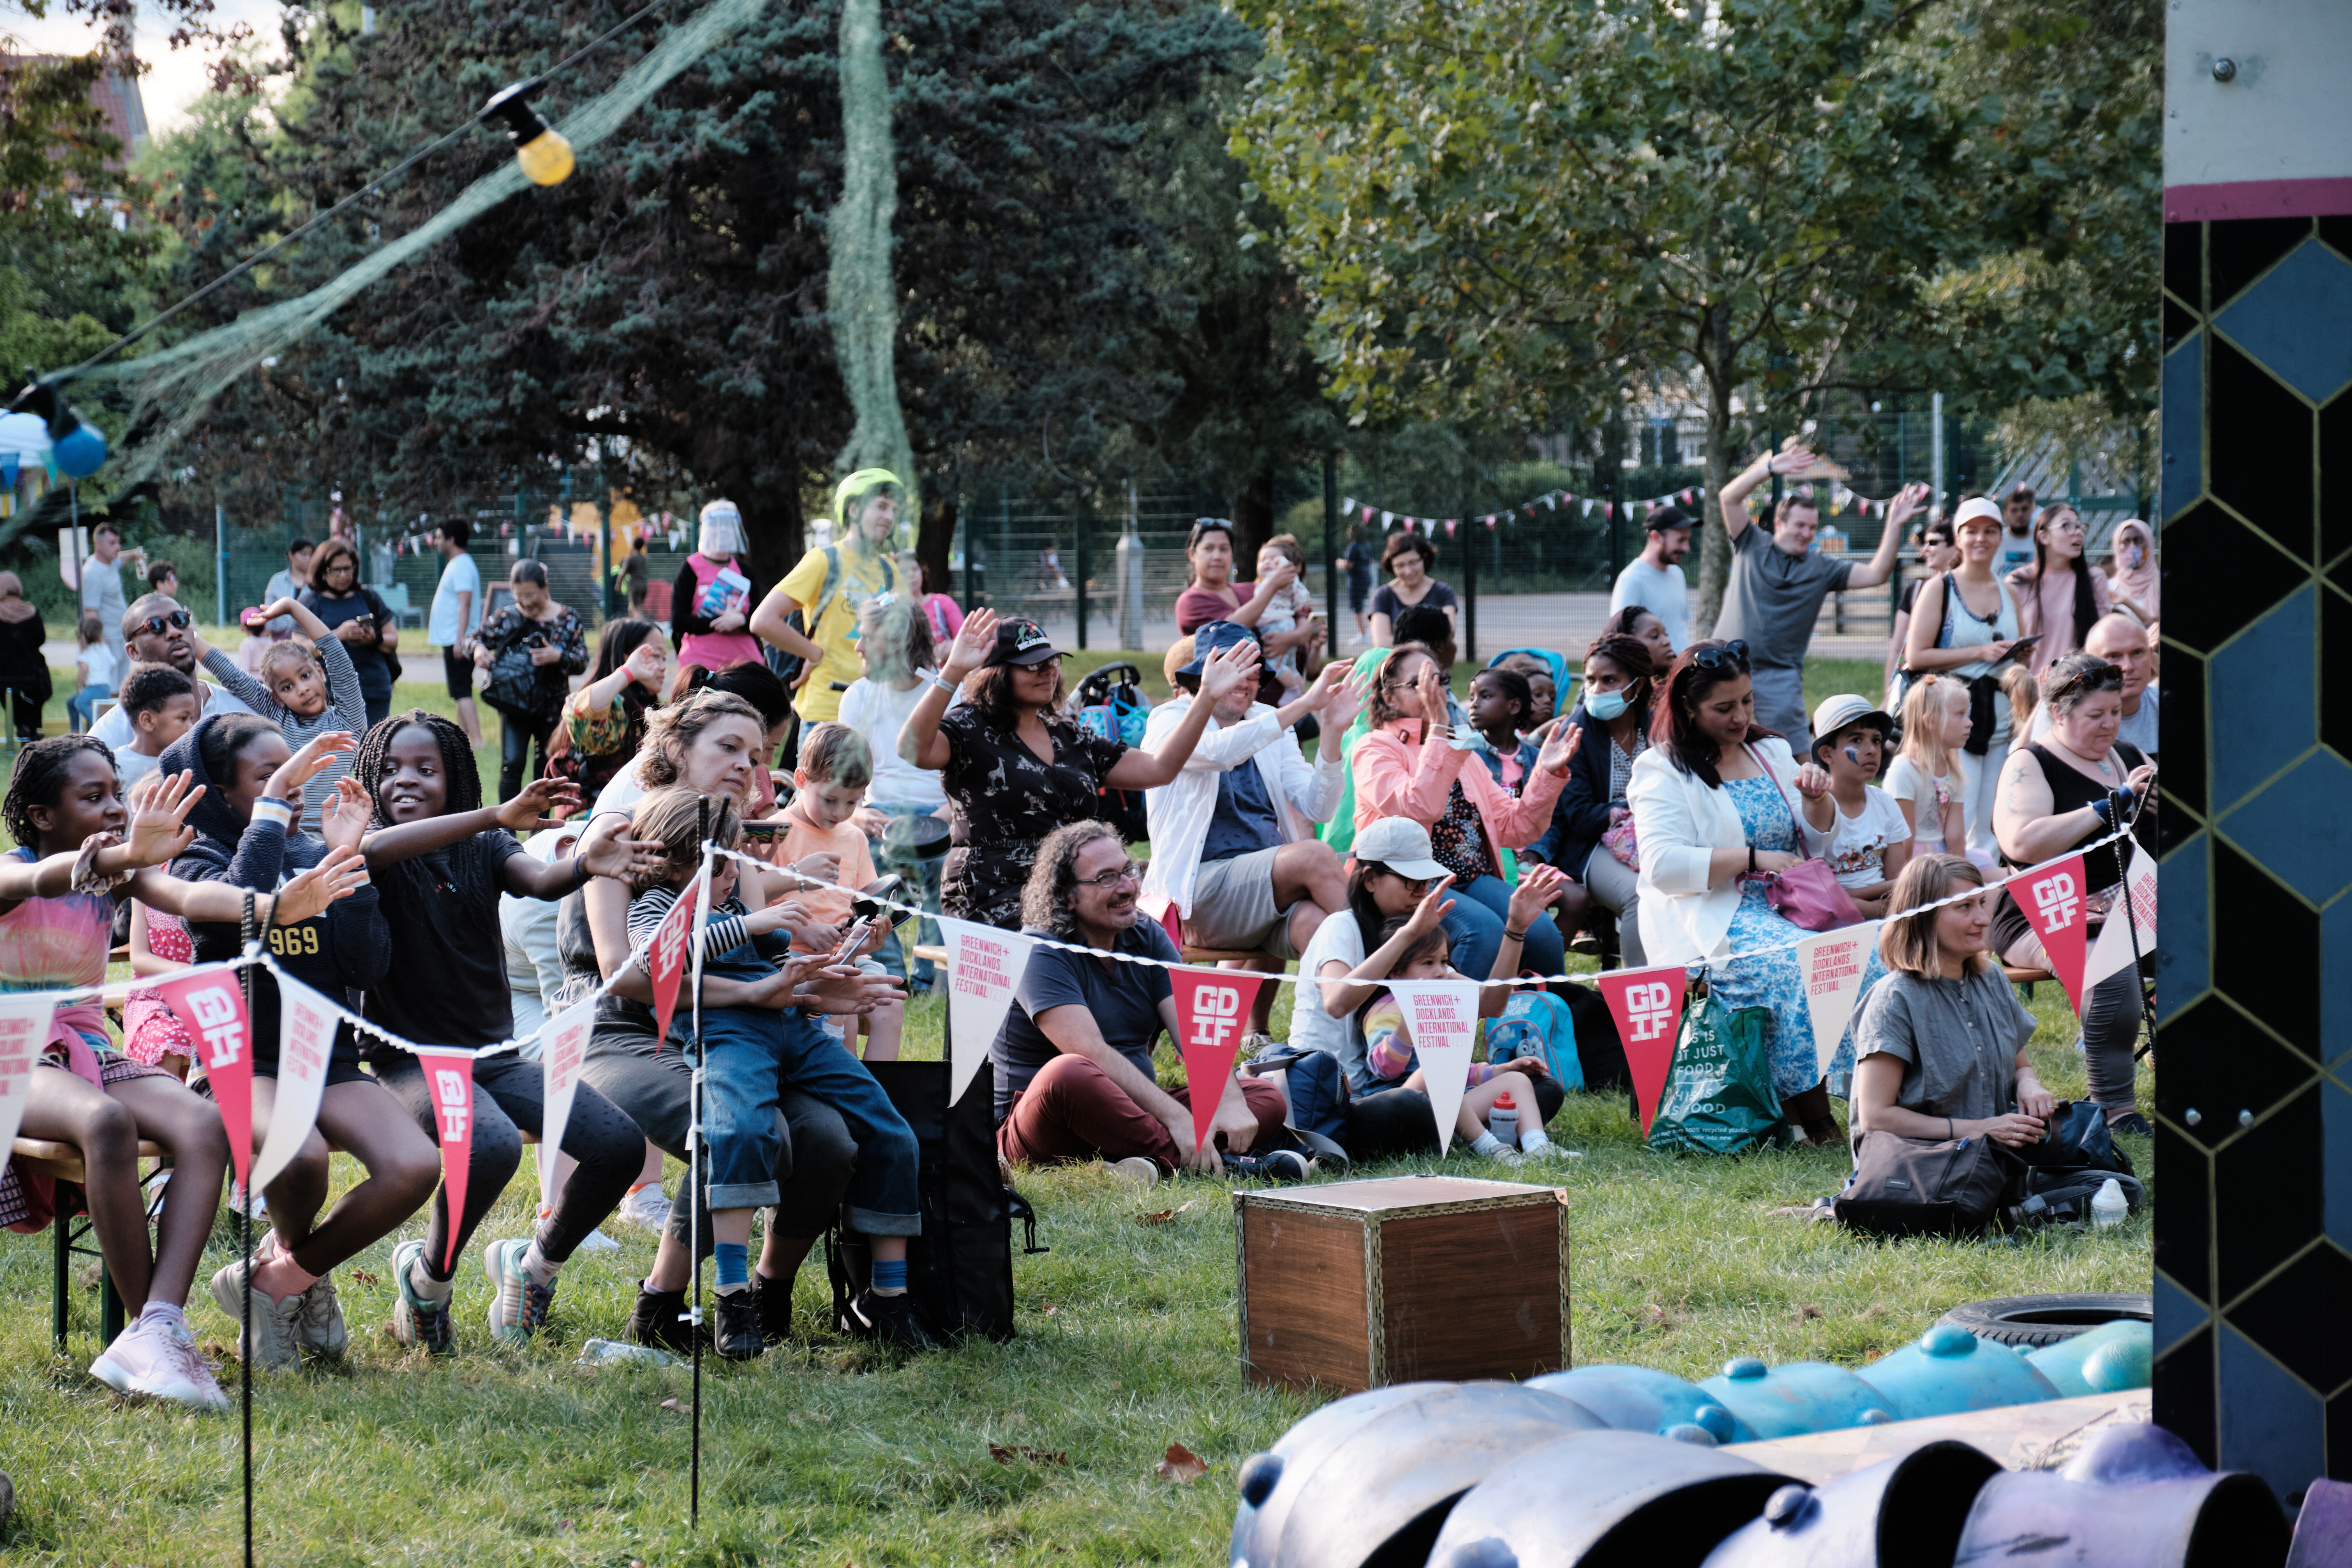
(1005, 802)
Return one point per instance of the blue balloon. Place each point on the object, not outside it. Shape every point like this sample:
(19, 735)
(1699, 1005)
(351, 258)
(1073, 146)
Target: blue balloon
(80, 452)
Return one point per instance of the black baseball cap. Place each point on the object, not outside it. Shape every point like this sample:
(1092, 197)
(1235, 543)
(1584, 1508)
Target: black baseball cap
(1664, 517)
(1022, 641)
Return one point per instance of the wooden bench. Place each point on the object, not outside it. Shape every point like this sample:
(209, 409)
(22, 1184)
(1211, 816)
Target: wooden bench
(2025, 980)
(62, 1162)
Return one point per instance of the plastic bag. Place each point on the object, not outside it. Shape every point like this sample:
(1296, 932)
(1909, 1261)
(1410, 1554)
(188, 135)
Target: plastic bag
(1718, 1098)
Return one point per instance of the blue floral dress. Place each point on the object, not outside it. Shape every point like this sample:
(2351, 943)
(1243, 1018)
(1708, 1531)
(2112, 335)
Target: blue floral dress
(1768, 979)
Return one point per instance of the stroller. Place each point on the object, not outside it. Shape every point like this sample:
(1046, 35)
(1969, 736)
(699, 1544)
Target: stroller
(1111, 703)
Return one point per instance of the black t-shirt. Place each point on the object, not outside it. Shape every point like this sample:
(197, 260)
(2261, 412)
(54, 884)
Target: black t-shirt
(2102, 867)
(1911, 592)
(368, 661)
(448, 983)
(1359, 557)
(1386, 602)
(1123, 997)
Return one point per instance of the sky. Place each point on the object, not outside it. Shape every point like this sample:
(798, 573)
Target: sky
(176, 77)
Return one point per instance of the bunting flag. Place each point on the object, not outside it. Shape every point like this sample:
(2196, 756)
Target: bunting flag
(1587, 508)
(1213, 1008)
(1368, 514)
(24, 1031)
(2112, 954)
(449, 1078)
(665, 960)
(1442, 1015)
(1831, 966)
(1449, 526)
(1386, 518)
(306, 1037)
(2051, 898)
(563, 1047)
(1489, 521)
(1648, 1006)
(212, 1003)
(984, 966)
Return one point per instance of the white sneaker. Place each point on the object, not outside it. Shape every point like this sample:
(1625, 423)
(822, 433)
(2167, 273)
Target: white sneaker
(594, 1241)
(322, 1319)
(646, 1207)
(1508, 1156)
(520, 1304)
(259, 1209)
(1136, 1168)
(277, 1325)
(157, 1356)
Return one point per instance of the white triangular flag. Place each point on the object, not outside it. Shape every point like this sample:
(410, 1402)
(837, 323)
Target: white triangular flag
(1830, 968)
(1442, 1016)
(984, 965)
(24, 1031)
(563, 1047)
(2113, 952)
(306, 1037)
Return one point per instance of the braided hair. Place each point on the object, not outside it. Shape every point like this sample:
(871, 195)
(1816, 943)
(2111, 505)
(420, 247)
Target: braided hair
(39, 778)
(465, 787)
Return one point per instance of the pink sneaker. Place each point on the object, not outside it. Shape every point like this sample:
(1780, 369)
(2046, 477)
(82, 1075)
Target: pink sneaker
(157, 1356)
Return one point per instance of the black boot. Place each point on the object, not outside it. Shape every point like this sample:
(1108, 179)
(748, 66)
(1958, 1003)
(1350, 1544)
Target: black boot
(740, 1338)
(658, 1319)
(775, 1299)
(891, 1320)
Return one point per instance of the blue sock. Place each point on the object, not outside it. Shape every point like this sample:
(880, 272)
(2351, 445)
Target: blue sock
(734, 1258)
(889, 1276)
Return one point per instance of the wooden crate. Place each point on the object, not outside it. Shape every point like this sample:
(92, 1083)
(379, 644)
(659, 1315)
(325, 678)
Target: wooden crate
(1353, 1284)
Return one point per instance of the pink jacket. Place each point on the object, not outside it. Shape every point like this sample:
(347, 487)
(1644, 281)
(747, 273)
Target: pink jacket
(1397, 776)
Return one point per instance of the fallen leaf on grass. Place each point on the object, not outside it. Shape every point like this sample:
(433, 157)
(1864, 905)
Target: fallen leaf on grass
(361, 1277)
(1181, 1466)
(1660, 1317)
(674, 1404)
(1808, 1311)
(1164, 1215)
(1004, 1455)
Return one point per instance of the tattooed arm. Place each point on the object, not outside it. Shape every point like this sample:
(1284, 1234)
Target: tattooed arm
(2021, 818)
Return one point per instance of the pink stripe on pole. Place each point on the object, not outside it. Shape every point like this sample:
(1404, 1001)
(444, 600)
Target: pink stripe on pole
(2257, 198)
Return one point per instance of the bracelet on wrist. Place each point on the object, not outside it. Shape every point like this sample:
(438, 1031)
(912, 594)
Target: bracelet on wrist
(1510, 935)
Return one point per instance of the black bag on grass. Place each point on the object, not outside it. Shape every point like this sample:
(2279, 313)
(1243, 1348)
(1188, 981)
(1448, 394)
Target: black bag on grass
(959, 1271)
(1926, 1186)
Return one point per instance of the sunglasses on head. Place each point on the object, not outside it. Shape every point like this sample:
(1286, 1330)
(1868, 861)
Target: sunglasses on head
(1733, 654)
(179, 619)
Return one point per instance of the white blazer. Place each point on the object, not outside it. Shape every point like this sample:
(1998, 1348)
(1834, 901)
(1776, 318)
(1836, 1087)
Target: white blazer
(1179, 811)
(1679, 824)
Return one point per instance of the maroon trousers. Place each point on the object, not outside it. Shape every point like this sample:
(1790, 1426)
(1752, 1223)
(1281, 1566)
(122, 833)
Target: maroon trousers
(1072, 1111)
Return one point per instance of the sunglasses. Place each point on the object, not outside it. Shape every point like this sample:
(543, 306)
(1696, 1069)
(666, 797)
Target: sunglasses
(1128, 872)
(153, 626)
(1733, 655)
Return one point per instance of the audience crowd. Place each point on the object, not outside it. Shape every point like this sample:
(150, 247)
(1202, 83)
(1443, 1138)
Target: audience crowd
(1649, 799)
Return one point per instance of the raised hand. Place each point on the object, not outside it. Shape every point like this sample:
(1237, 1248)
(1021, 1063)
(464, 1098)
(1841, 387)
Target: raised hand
(1813, 781)
(648, 665)
(1429, 685)
(1226, 669)
(972, 646)
(1281, 575)
(344, 815)
(1343, 698)
(1907, 500)
(317, 755)
(1433, 907)
(1538, 885)
(541, 798)
(606, 850)
(1560, 749)
(1795, 460)
(159, 813)
(339, 876)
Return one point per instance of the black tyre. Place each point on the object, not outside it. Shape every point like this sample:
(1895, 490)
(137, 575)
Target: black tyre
(2039, 1321)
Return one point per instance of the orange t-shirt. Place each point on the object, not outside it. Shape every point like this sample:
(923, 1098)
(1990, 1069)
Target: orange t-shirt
(803, 839)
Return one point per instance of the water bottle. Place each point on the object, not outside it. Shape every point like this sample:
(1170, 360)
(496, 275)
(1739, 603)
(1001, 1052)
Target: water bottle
(1503, 1120)
(611, 1352)
(2108, 1206)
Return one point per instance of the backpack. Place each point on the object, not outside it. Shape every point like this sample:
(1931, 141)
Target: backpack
(959, 1271)
(1316, 1092)
(787, 666)
(1111, 703)
(1537, 1023)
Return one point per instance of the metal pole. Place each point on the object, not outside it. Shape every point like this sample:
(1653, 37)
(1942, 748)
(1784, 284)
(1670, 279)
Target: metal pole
(697, 1219)
(220, 571)
(1332, 543)
(1086, 563)
(1469, 596)
(964, 523)
(1936, 456)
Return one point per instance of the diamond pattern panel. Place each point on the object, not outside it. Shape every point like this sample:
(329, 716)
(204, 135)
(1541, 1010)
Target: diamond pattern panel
(2239, 577)
(2238, 1068)
(2184, 1241)
(2269, 1423)
(2298, 321)
(2336, 994)
(2242, 251)
(2335, 675)
(2260, 438)
(2183, 424)
(2178, 322)
(2184, 263)
(2335, 490)
(2336, 1130)
(2267, 1197)
(2182, 716)
(2299, 825)
(2178, 1314)
(2267, 951)
(2184, 1395)
(2270, 718)
(2184, 965)
(2278, 1317)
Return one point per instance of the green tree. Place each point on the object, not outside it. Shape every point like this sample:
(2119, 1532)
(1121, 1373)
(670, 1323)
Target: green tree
(1500, 206)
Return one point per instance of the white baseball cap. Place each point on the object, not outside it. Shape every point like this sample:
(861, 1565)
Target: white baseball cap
(1976, 507)
(1401, 845)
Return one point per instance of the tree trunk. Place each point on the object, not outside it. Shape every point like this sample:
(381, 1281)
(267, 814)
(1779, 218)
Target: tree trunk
(1253, 522)
(775, 532)
(1713, 543)
(935, 543)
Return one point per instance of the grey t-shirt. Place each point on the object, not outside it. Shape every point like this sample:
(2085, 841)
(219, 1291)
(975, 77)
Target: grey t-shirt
(1773, 598)
(1958, 1041)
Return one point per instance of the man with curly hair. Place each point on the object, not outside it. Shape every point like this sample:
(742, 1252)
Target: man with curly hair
(1074, 1073)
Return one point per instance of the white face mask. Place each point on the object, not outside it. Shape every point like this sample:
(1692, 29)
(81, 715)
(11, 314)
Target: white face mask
(2132, 557)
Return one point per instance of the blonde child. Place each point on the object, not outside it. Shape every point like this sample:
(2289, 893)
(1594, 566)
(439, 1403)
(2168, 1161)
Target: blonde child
(1924, 778)
(829, 786)
(1287, 611)
(94, 674)
(306, 688)
(750, 1054)
(1389, 1053)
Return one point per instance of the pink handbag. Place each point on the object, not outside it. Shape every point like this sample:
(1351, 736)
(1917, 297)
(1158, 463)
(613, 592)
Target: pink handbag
(1806, 895)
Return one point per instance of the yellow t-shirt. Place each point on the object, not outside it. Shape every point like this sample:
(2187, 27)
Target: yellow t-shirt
(836, 631)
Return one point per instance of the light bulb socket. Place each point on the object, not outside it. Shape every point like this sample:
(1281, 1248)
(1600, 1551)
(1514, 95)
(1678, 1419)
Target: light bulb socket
(511, 105)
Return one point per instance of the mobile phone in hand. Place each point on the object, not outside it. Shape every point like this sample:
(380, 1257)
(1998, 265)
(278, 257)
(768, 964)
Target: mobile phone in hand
(850, 941)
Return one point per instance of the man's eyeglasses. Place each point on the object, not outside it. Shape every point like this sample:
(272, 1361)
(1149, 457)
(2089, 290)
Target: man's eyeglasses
(1732, 653)
(1127, 872)
(153, 625)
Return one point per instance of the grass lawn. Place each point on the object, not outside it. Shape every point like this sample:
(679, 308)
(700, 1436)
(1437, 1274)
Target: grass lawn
(831, 1454)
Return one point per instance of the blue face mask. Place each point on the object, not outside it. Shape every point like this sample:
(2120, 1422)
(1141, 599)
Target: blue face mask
(1605, 706)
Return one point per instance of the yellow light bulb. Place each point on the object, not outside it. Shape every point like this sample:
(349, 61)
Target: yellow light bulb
(546, 158)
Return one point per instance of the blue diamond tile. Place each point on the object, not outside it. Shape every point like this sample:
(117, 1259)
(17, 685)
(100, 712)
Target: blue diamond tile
(2296, 826)
(2335, 987)
(2178, 1314)
(2336, 1144)
(2184, 964)
(2270, 1422)
(2298, 321)
(2270, 714)
(2184, 425)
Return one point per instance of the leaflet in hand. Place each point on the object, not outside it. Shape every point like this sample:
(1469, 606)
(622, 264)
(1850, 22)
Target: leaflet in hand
(730, 590)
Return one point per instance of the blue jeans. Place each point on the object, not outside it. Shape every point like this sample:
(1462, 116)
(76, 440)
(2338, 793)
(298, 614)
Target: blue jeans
(894, 851)
(752, 1052)
(81, 708)
(1475, 926)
